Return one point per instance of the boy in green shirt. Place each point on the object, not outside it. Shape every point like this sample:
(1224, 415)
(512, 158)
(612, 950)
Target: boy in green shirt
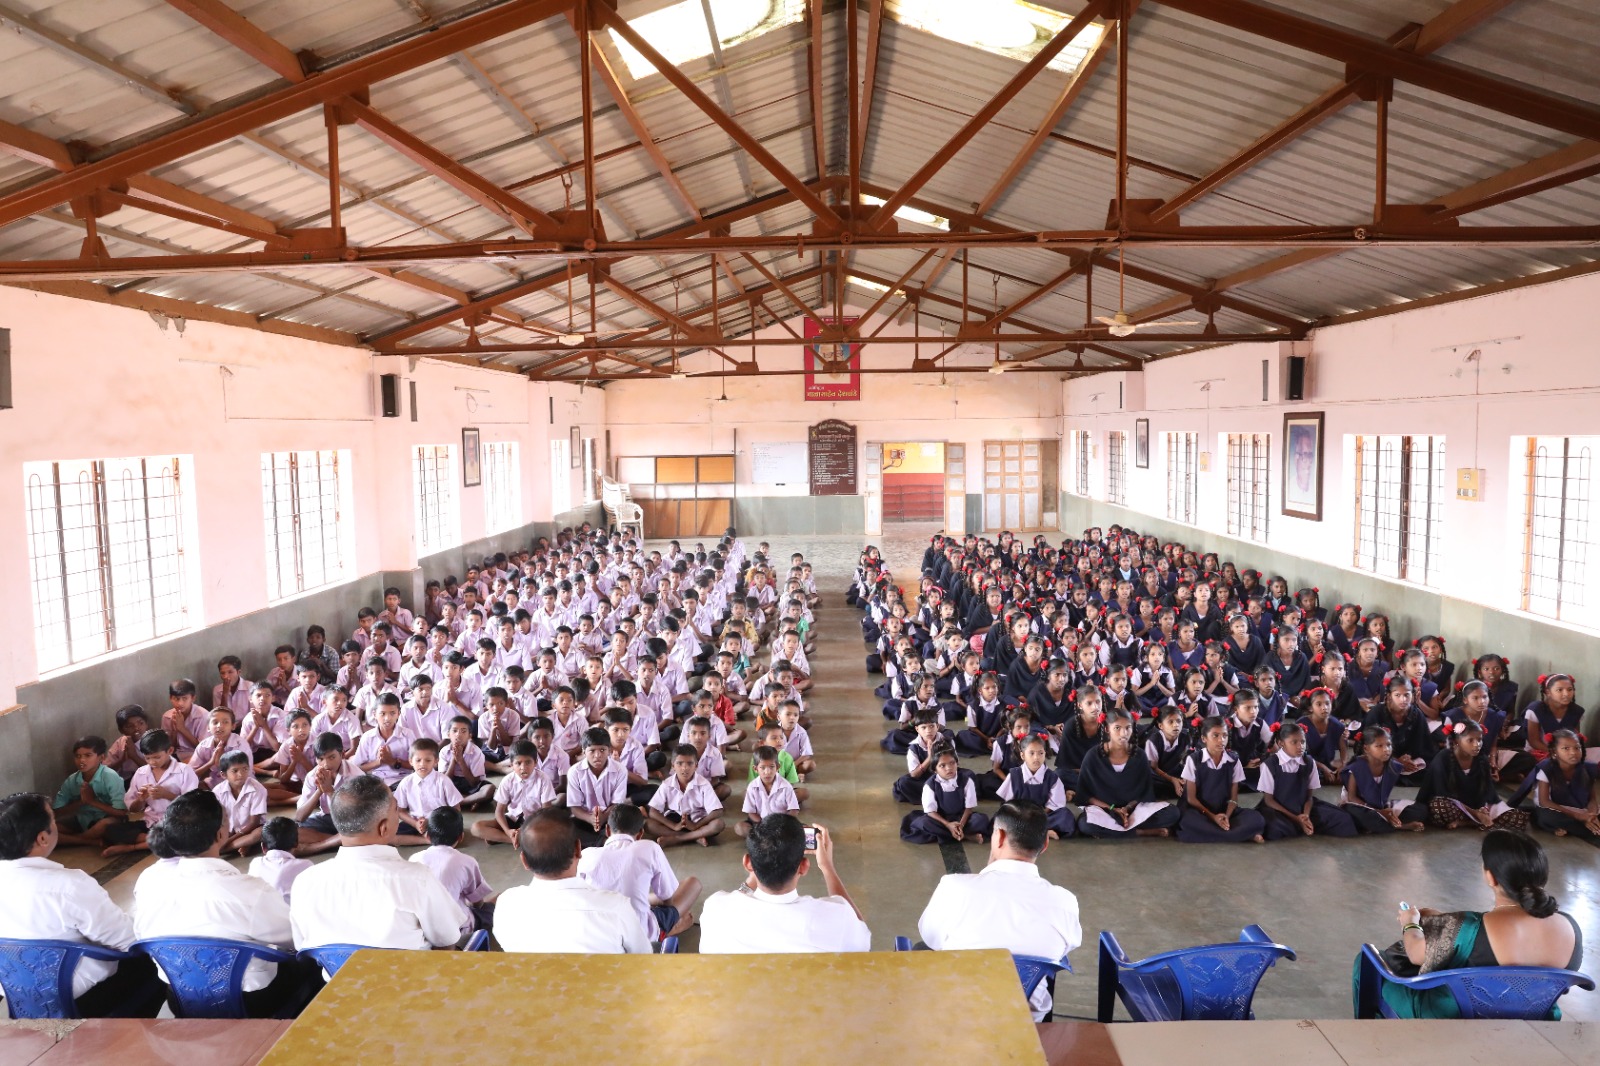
(94, 794)
(772, 736)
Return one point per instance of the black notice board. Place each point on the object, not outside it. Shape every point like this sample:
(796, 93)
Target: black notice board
(832, 451)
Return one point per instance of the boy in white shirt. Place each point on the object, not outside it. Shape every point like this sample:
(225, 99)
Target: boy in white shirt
(220, 740)
(636, 868)
(685, 809)
(462, 762)
(338, 718)
(314, 811)
(385, 749)
(458, 873)
(277, 864)
(524, 790)
(768, 794)
(244, 803)
(162, 779)
(423, 792)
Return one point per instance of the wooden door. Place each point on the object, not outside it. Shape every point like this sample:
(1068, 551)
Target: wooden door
(872, 487)
(1013, 485)
(955, 489)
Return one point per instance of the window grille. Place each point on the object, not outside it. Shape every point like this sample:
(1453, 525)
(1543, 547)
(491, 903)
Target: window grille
(1116, 467)
(1556, 526)
(1249, 475)
(301, 497)
(1399, 506)
(502, 486)
(1183, 466)
(438, 523)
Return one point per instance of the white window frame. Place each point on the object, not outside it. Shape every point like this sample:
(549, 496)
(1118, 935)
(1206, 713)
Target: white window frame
(560, 475)
(108, 565)
(1183, 477)
(1117, 467)
(502, 486)
(1557, 487)
(1399, 506)
(1080, 461)
(436, 500)
(591, 470)
(1249, 484)
(305, 504)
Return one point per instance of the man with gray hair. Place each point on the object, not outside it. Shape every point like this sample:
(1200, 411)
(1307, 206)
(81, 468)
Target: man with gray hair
(367, 894)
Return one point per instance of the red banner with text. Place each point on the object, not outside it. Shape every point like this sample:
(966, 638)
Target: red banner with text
(832, 369)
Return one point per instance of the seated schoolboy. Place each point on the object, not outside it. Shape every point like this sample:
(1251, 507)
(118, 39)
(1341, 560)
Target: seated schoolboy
(521, 792)
(384, 751)
(1212, 776)
(618, 724)
(462, 762)
(423, 714)
(1116, 788)
(219, 740)
(458, 872)
(796, 741)
(244, 803)
(123, 756)
(184, 721)
(1288, 784)
(685, 809)
(423, 792)
(162, 779)
(594, 786)
(277, 864)
(636, 868)
(723, 709)
(767, 792)
(1034, 782)
(712, 766)
(337, 717)
(498, 726)
(949, 806)
(551, 761)
(773, 738)
(294, 759)
(921, 757)
(569, 723)
(90, 801)
(314, 812)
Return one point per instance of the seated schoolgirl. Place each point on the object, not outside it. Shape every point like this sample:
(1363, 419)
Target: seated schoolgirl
(1221, 680)
(1473, 705)
(1439, 670)
(1459, 790)
(920, 757)
(1166, 749)
(1116, 694)
(1027, 670)
(1495, 671)
(901, 682)
(1086, 666)
(1034, 782)
(902, 734)
(1415, 744)
(1051, 700)
(1153, 681)
(1289, 781)
(1242, 647)
(1007, 752)
(1116, 788)
(1555, 709)
(1310, 601)
(1567, 803)
(1272, 705)
(1326, 742)
(949, 807)
(1367, 786)
(1185, 651)
(1366, 673)
(986, 718)
(1212, 776)
(1248, 737)
(963, 683)
(1081, 734)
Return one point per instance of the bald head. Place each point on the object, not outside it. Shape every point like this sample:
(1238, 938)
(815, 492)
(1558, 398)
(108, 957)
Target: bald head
(548, 841)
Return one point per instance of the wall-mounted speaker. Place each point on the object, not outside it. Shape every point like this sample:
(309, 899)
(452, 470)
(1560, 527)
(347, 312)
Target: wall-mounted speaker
(413, 384)
(5, 369)
(389, 384)
(1294, 378)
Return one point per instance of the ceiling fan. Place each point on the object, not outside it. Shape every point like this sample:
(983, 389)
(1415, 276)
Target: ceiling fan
(1119, 324)
(572, 338)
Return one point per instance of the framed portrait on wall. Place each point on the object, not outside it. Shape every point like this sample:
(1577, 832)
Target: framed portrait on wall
(1141, 443)
(1302, 465)
(471, 457)
(575, 446)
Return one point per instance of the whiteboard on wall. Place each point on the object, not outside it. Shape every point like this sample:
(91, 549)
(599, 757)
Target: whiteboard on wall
(779, 463)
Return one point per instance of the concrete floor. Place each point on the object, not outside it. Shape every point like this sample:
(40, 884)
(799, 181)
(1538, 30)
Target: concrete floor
(1322, 897)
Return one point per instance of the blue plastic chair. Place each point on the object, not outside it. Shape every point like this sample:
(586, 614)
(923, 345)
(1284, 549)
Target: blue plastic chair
(1528, 993)
(332, 956)
(1211, 983)
(1031, 969)
(478, 941)
(36, 975)
(206, 974)
(669, 946)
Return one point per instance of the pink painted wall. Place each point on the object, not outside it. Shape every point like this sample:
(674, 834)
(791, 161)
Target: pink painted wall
(1535, 373)
(679, 417)
(94, 381)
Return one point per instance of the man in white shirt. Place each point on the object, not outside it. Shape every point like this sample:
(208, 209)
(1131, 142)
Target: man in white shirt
(367, 894)
(558, 911)
(768, 914)
(638, 869)
(46, 901)
(1008, 905)
(202, 895)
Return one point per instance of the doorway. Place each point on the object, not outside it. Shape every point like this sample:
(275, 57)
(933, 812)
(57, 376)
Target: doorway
(913, 481)
(1019, 485)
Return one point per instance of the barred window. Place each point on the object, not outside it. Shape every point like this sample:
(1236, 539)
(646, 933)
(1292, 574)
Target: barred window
(303, 496)
(1116, 466)
(1556, 527)
(1249, 475)
(106, 555)
(1399, 506)
(1080, 462)
(502, 486)
(560, 475)
(1183, 476)
(434, 475)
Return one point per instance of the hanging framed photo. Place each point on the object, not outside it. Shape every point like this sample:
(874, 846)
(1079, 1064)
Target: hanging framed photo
(1141, 443)
(471, 457)
(1302, 465)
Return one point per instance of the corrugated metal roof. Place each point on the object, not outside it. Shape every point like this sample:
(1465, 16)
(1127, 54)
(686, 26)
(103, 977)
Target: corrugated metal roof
(100, 72)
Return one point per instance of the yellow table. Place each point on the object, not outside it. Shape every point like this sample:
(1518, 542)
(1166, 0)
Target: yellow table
(446, 1008)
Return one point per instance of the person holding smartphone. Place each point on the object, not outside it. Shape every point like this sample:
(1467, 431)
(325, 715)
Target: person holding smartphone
(769, 914)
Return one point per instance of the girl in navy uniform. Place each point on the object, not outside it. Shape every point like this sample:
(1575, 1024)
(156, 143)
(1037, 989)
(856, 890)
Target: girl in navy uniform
(1221, 682)
(1186, 651)
(1555, 709)
(1122, 647)
(1034, 782)
(1115, 691)
(1346, 629)
(1414, 743)
(1007, 752)
(1086, 666)
(1050, 701)
(899, 738)
(1027, 670)
(1441, 671)
(963, 684)
(1310, 601)
(1289, 780)
(1080, 735)
(1212, 775)
(1116, 789)
(1242, 647)
(986, 718)
(1273, 705)
(901, 684)
(1495, 671)
(1368, 785)
(1567, 801)
(1206, 618)
(1367, 672)
(1153, 682)
(1459, 790)
(1377, 626)
(1248, 737)
(949, 807)
(1166, 749)
(1324, 734)
(920, 759)
(1472, 705)
(1288, 663)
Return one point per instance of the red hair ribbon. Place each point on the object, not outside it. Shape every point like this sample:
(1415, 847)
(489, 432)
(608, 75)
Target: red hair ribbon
(1548, 739)
(1447, 728)
(1101, 717)
(1195, 721)
(1276, 726)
